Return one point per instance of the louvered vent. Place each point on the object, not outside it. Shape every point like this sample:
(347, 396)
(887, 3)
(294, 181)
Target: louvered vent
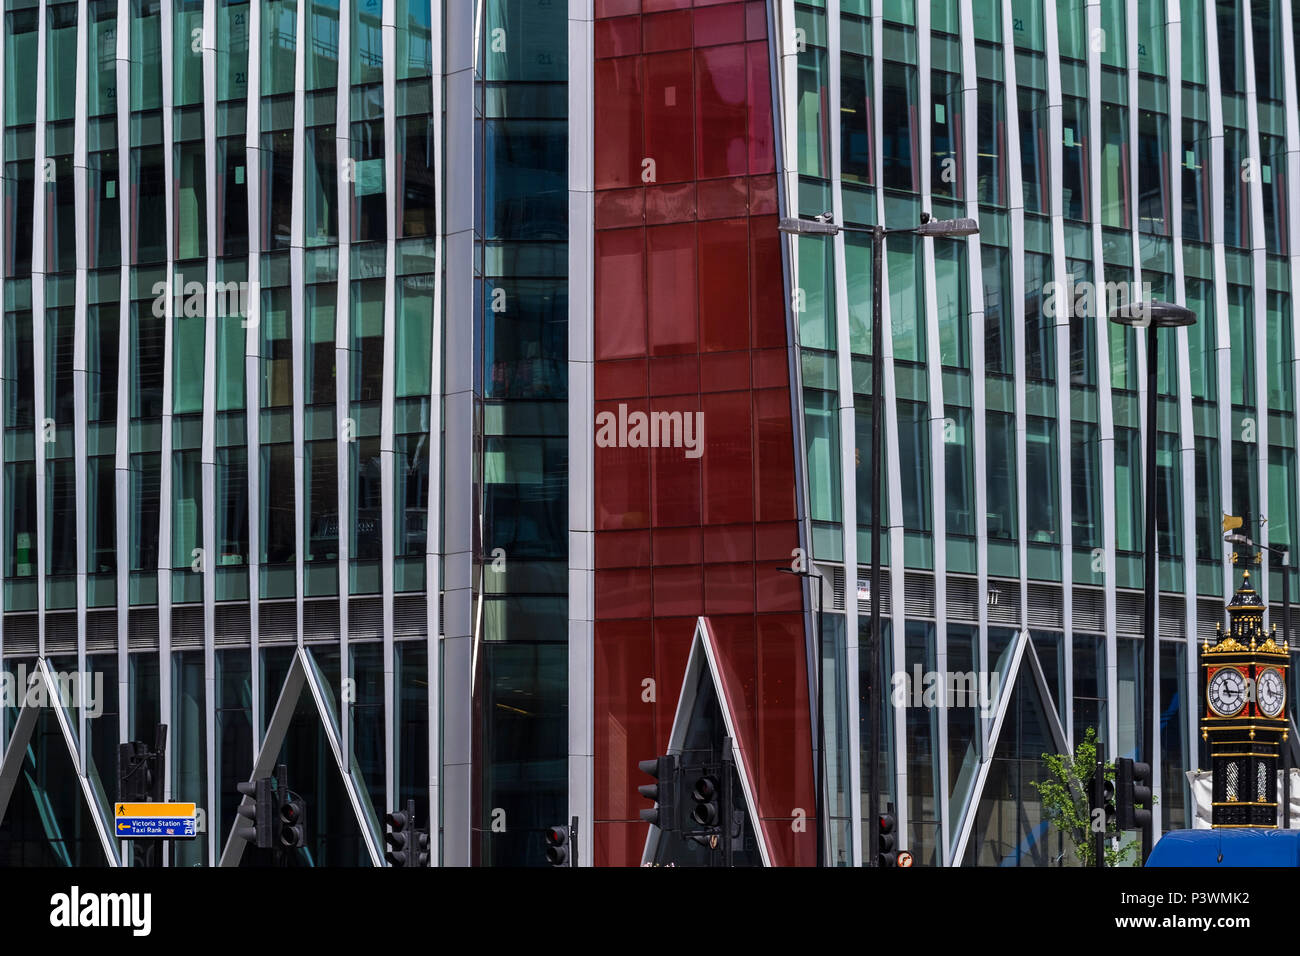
(1046, 609)
(143, 629)
(365, 619)
(232, 625)
(918, 601)
(320, 621)
(1208, 614)
(20, 634)
(1172, 616)
(1089, 610)
(963, 599)
(101, 631)
(187, 627)
(1128, 613)
(60, 633)
(277, 623)
(410, 616)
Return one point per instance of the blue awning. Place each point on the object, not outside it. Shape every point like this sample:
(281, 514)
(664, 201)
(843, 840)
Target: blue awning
(1227, 848)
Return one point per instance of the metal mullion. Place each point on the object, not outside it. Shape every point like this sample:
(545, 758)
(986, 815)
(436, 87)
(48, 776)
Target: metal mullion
(975, 283)
(345, 431)
(208, 454)
(433, 523)
(252, 359)
(387, 442)
(40, 192)
(847, 423)
(122, 449)
(1105, 404)
(79, 359)
(165, 490)
(937, 421)
(581, 372)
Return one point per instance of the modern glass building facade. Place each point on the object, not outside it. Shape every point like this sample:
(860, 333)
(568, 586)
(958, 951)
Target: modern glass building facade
(309, 333)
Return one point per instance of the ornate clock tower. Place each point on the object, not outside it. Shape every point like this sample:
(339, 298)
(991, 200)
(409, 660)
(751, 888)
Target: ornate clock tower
(1245, 720)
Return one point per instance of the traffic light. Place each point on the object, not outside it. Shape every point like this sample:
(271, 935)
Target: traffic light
(420, 848)
(663, 792)
(1134, 792)
(705, 794)
(557, 846)
(258, 814)
(886, 840)
(293, 820)
(397, 834)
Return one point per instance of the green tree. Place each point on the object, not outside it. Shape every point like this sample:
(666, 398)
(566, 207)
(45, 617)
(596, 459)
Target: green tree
(1065, 795)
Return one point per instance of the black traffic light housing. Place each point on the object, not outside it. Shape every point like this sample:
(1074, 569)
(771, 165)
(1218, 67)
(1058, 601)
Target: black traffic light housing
(887, 840)
(663, 792)
(399, 834)
(704, 794)
(1133, 799)
(557, 846)
(258, 813)
(293, 820)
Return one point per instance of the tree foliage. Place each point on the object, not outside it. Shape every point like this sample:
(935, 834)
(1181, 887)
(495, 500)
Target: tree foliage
(1065, 796)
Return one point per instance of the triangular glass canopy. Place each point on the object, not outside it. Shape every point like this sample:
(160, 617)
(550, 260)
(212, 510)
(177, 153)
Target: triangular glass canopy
(303, 734)
(704, 728)
(51, 813)
(1007, 825)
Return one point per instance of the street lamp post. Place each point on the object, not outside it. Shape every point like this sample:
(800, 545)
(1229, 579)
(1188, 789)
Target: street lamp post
(824, 226)
(1285, 554)
(1152, 316)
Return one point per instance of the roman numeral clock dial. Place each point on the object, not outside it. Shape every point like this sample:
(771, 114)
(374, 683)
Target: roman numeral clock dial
(1227, 692)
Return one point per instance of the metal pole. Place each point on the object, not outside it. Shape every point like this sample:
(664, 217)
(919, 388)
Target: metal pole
(1286, 744)
(1150, 581)
(822, 813)
(873, 695)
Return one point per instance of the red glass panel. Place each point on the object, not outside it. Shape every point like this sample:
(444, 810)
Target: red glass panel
(771, 367)
(619, 148)
(622, 549)
(737, 657)
(723, 198)
(775, 541)
(622, 475)
(762, 195)
(671, 203)
(767, 283)
(728, 543)
(671, 288)
(728, 458)
(620, 293)
(714, 25)
(673, 639)
(624, 378)
(677, 546)
(676, 474)
(720, 112)
(724, 295)
(622, 593)
(724, 371)
(621, 37)
(623, 726)
(620, 207)
(618, 844)
(676, 375)
(729, 589)
(783, 718)
(756, 21)
(774, 468)
(654, 6)
(666, 31)
(668, 91)
(678, 590)
(762, 149)
(615, 8)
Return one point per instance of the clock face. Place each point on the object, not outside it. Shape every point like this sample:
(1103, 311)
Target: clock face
(1271, 690)
(1227, 693)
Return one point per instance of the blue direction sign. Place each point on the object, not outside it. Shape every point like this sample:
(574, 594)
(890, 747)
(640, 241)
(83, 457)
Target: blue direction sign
(166, 820)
